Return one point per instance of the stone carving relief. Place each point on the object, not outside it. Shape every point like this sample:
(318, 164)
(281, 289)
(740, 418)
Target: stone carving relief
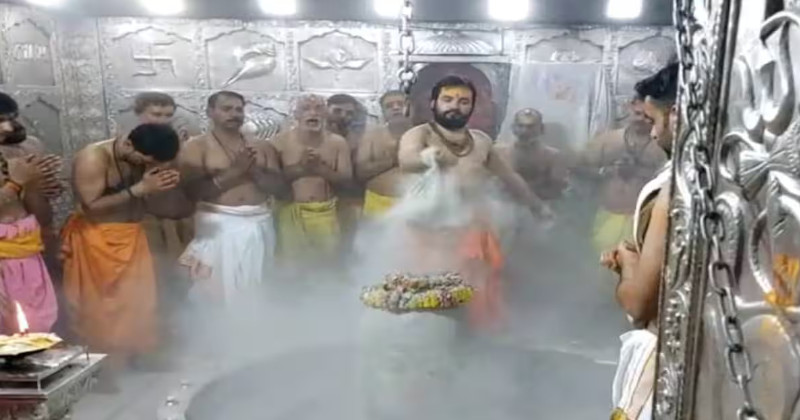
(29, 50)
(263, 122)
(566, 48)
(458, 42)
(338, 61)
(640, 59)
(246, 59)
(150, 57)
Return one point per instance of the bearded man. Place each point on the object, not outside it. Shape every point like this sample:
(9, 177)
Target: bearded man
(27, 180)
(639, 264)
(231, 178)
(376, 160)
(347, 118)
(467, 157)
(621, 162)
(316, 163)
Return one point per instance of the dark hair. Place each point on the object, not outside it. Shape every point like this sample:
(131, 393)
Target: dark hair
(388, 94)
(146, 99)
(662, 86)
(158, 141)
(212, 100)
(342, 99)
(8, 105)
(453, 81)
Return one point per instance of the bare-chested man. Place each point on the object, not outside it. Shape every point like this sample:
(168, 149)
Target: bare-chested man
(232, 178)
(376, 158)
(109, 277)
(468, 157)
(544, 168)
(315, 162)
(27, 179)
(167, 237)
(639, 263)
(622, 161)
(347, 118)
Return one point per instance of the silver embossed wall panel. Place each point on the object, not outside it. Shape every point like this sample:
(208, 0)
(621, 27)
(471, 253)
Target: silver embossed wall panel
(151, 54)
(339, 61)
(76, 77)
(758, 197)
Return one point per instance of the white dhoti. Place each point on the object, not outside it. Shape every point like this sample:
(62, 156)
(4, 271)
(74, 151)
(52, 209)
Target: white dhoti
(634, 382)
(232, 251)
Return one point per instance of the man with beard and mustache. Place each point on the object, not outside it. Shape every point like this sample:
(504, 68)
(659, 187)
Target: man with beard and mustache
(231, 179)
(468, 158)
(28, 179)
(317, 164)
(109, 275)
(342, 113)
(376, 159)
(544, 168)
(621, 162)
(347, 118)
(639, 264)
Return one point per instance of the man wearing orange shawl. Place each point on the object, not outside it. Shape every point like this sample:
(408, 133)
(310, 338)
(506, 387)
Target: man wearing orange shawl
(467, 157)
(109, 279)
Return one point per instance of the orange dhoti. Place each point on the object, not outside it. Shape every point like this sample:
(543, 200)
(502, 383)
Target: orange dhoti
(481, 262)
(110, 286)
(476, 254)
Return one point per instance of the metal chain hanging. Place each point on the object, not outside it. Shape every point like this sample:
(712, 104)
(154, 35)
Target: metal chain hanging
(695, 117)
(407, 75)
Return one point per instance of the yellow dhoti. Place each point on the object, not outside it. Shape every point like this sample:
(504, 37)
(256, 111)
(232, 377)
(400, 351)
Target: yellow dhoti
(610, 229)
(308, 229)
(376, 205)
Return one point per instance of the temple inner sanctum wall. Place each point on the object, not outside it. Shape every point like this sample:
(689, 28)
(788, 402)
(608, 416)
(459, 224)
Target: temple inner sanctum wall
(75, 78)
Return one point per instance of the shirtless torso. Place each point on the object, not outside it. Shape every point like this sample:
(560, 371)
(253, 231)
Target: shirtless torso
(376, 162)
(314, 165)
(623, 163)
(210, 155)
(544, 169)
(470, 157)
(111, 189)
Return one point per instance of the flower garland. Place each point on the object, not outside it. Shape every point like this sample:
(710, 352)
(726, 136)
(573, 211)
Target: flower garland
(406, 293)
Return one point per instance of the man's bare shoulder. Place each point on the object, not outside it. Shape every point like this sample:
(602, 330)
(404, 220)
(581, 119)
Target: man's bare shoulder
(33, 144)
(481, 138)
(608, 136)
(92, 154)
(417, 132)
(336, 140)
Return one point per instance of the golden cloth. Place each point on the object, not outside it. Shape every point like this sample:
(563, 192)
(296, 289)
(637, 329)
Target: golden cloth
(376, 205)
(110, 285)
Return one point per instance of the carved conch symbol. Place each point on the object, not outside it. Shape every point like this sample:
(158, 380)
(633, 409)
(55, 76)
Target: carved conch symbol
(254, 61)
(261, 128)
(339, 59)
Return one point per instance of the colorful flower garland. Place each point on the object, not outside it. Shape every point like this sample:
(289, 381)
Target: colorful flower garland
(406, 293)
